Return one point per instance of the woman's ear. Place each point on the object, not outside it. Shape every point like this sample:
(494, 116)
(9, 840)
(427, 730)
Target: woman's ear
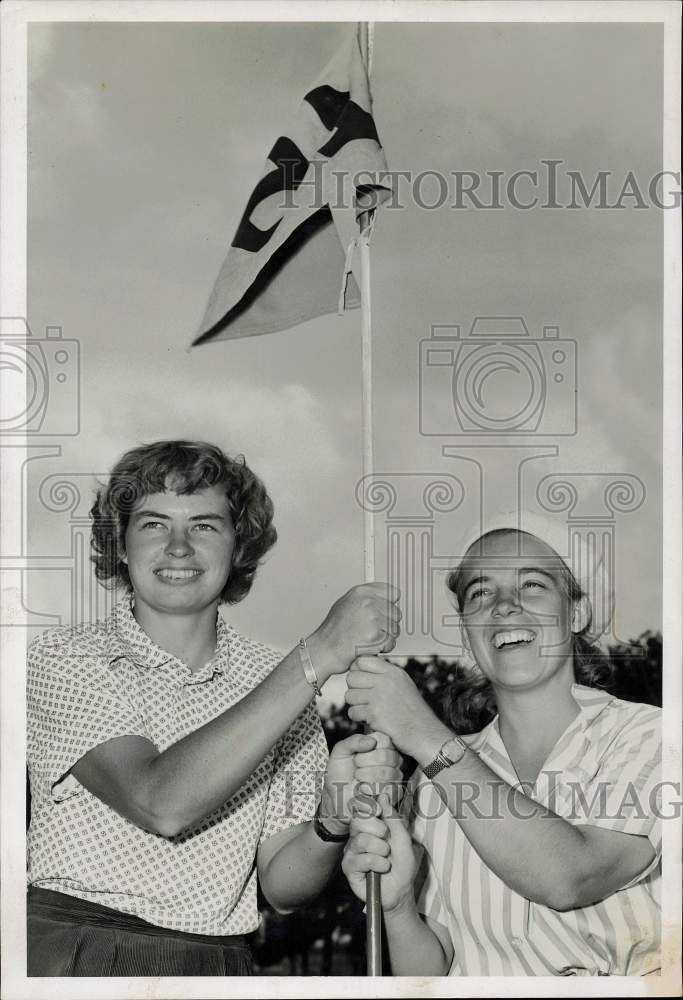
(581, 614)
(466, 660)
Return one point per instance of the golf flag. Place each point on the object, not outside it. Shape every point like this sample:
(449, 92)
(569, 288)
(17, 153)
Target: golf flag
(286, 261)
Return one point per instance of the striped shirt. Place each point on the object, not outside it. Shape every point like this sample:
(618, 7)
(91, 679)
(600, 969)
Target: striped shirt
(94, 683)
(604, 771)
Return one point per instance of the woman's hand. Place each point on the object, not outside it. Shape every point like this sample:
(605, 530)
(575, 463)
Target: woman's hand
(381, 844)
(365, 620)
(384, 697)
(359, 766)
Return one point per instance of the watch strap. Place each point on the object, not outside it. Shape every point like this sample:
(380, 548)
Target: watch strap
(324, 834)
(443, 759)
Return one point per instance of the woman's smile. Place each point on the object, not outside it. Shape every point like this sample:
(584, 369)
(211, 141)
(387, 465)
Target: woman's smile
(176, 575)
(512, 638)
(516, 611)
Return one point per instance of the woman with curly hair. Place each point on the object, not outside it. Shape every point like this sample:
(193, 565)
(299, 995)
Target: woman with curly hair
(172, 760)
(536, 837)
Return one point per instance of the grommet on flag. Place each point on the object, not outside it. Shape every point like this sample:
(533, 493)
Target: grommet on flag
(366, 236)
(348, 267)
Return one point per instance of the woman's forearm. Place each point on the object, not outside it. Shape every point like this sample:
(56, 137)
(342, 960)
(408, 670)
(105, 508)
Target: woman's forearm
(201, 771)
(300, 869)
(537, 853)
(171, 791)
(414, 948)
(198, 774)
(540, 855)
(533, 850)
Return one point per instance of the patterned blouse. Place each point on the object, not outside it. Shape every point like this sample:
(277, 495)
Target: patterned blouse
(93, 683)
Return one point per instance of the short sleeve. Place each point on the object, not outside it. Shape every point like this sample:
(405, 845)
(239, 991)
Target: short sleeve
(74, 702)
(299, 771)
(624, 791)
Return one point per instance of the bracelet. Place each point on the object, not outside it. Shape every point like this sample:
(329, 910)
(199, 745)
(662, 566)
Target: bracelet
(309, 669)
(325, 834)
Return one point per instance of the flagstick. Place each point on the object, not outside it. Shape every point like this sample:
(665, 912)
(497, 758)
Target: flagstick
(366, 367)
(373, 898)
(373, 925)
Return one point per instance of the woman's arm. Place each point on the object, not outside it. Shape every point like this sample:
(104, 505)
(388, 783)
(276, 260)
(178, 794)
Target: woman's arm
(295, 865)
(417, 946)
(540, 855)
(171, 791)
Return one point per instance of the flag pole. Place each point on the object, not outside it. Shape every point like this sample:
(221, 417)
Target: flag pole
(373, 924)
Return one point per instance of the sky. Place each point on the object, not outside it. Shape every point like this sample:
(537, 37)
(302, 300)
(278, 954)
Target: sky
(145, 141)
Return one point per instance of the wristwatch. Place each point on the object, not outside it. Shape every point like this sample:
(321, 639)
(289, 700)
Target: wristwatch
(452, 751)
(325, 834)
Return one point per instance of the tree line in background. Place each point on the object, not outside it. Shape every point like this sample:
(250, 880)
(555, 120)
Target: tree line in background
(328, 937)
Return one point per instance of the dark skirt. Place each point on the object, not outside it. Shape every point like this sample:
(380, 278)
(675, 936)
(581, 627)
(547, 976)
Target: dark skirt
(68, 936)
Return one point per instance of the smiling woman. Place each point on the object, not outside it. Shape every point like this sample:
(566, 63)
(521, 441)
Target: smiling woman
(545, 580)
(178, 551)
(514, 592)
(184, 468)
(539, 831)
(172, 760)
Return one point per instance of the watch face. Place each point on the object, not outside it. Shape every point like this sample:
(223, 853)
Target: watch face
(450, 753)
(454, 750)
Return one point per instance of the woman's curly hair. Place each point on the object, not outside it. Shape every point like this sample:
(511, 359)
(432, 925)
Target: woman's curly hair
(185, 467)
(469, 703)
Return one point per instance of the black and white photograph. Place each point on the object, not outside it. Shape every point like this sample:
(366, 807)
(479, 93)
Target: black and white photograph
(341, 499)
